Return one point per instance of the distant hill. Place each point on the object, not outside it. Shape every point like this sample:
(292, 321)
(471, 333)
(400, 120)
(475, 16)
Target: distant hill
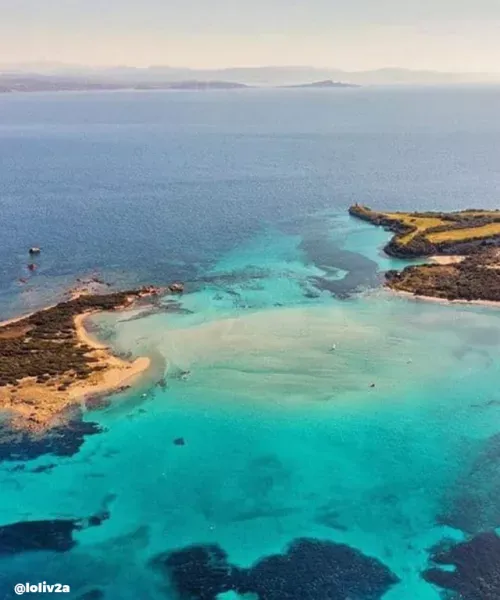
(250, 76)
(327, 83)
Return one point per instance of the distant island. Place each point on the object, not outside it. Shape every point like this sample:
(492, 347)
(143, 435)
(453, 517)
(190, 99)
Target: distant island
(193, 85)
(55, 84)
(464, 247)
(326, 84)
(10, 83)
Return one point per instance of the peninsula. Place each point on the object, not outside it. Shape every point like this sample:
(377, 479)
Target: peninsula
(49, 362)
(464, 247)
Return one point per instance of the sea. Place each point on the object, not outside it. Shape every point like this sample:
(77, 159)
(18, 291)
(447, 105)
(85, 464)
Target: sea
(302, 428)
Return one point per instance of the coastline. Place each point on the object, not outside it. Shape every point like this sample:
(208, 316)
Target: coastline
(119, 372)
(446, 259)
(36, 404)
(14, 320)
(411, 296)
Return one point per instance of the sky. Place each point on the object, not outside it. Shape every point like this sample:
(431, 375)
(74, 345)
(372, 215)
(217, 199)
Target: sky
(444, 35)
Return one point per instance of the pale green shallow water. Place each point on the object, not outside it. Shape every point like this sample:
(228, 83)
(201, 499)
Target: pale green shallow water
(284, 437)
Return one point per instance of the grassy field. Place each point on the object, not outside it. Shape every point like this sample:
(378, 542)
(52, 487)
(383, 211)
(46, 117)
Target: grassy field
(426, 233)
(424, 224)
(465, 234)
(476, 276)
(421, 224)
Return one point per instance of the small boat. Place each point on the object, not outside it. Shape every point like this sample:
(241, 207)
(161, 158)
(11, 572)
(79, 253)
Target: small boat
(35, 250)
(334, 347)
(32, 267)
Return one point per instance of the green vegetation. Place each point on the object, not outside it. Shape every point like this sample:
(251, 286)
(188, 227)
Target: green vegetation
(473, 234)
(45, 345)
(429, 233)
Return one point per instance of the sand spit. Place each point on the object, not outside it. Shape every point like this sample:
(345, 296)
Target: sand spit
(50, 362)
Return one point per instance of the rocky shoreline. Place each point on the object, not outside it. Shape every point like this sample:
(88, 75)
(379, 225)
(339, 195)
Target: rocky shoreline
(468, 241)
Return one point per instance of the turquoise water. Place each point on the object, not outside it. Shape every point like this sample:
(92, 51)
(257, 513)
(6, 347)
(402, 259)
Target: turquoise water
(284, 437)
(385, 443)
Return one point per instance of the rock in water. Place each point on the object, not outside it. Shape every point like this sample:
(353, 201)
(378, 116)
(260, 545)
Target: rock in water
(176, 288)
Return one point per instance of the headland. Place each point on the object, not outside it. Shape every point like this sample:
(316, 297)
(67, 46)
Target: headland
(463, 248)
(50, 362)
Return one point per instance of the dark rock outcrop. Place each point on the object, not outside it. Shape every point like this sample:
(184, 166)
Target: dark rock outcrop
(176, 288)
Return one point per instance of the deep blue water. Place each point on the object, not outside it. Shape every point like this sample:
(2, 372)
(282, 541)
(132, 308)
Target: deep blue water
(160, 185)
(244, 196)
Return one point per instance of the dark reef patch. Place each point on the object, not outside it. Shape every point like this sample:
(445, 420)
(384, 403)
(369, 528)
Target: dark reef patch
(318, 570)
(43, 468)
(98, 402)
(200, 572)
(55, 535)
(472, 505)
(477, 568)
(310, 569)
(62, 440)
(324, 253)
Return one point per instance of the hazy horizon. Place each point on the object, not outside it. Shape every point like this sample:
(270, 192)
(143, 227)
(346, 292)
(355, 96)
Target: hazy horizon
(449, 36)
(53, 64)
